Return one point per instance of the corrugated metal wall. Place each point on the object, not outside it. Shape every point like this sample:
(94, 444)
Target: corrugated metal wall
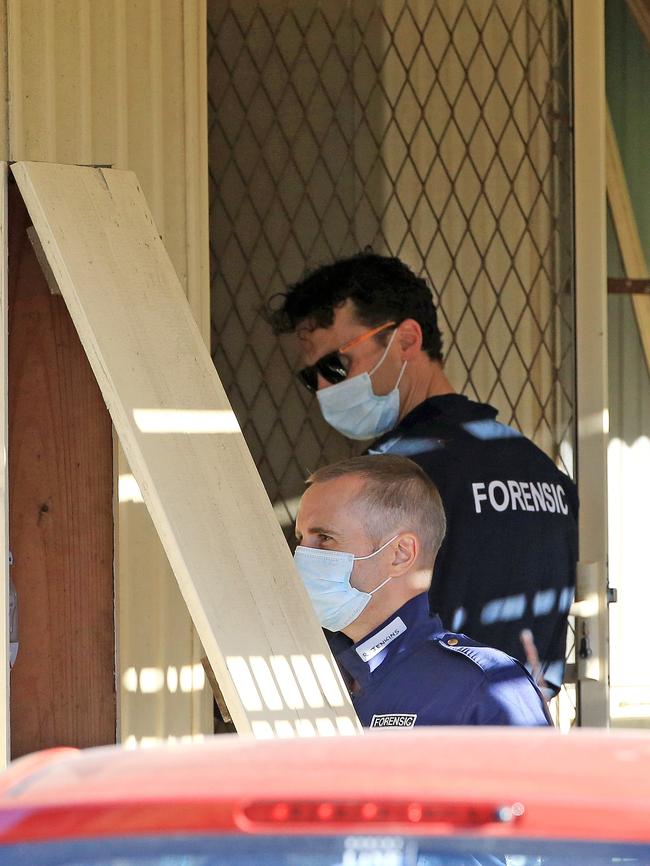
(122, 83)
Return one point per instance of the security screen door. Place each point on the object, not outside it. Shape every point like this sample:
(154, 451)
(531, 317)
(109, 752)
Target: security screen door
(435, 130)
(186, 451)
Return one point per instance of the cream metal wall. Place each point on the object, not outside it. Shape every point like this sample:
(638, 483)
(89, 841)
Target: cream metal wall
(122, 83)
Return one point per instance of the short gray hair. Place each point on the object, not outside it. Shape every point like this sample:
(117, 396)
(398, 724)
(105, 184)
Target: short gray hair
(397, 496)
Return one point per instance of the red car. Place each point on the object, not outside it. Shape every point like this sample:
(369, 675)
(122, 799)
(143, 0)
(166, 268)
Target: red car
(428, 797)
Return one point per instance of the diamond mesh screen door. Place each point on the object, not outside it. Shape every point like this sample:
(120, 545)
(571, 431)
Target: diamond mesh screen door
(436, 130)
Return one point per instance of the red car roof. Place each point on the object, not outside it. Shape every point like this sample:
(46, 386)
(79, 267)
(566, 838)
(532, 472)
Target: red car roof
(591, 785)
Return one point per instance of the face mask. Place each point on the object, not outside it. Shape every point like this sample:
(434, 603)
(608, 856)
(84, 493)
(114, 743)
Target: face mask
(326, 575)
(353, 408)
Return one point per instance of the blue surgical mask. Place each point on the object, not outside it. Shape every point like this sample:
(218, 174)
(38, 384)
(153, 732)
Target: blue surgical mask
(326, 576)
(353, 408)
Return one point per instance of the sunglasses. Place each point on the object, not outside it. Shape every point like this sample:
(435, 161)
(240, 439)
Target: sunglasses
(331, 366)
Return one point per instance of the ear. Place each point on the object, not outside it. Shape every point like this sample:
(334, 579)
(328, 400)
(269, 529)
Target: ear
(406, 550)
(409, 336)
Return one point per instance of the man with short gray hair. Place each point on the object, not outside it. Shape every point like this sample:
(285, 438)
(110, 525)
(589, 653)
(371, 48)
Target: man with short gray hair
(369, 530)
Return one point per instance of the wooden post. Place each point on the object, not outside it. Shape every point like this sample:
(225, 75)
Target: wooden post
(60, 518)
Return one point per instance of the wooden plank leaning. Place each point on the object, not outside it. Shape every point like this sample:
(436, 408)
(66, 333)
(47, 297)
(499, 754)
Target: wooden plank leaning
(186, 451)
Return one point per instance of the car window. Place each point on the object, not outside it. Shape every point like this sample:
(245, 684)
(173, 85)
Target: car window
(208, 850)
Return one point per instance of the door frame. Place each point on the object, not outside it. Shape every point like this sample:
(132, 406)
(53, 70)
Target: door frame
(590, 220)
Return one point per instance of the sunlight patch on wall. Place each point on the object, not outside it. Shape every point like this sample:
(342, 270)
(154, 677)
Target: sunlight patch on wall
(186, 421)
(152, 680)
(128, 489)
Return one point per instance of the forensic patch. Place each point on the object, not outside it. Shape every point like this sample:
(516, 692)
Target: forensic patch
(394, 720)
(512, 495)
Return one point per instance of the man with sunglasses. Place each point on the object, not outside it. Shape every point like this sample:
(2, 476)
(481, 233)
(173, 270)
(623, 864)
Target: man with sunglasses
(371, 351)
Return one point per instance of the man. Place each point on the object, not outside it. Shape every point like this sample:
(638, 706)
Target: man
(369, 529)
(371, 350)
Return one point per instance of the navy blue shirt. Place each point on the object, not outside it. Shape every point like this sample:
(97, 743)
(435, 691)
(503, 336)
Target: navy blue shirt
(410, 671)
(508, 560)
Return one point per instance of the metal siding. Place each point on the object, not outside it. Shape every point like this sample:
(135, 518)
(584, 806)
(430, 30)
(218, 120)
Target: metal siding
(106, 82)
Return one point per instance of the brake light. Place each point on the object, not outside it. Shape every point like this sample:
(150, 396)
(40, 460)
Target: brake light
(320, 812)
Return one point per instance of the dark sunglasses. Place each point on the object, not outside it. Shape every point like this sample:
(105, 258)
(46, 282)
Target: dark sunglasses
(331, 366)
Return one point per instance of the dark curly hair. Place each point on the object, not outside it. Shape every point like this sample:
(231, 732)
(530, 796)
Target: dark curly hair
(381, 288)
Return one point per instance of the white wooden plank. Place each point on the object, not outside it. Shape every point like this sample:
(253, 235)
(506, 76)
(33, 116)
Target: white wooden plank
(4, 481)
(184, 446)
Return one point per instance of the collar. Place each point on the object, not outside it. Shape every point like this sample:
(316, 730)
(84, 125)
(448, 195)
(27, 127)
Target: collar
(405, 628)
(450, 408)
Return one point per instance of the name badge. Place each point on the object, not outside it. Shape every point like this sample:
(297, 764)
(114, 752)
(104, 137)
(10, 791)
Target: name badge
(369, 648)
